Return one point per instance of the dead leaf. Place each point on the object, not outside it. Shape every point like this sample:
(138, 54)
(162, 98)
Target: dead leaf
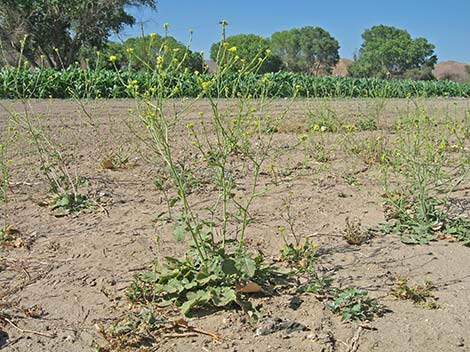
(107, 164)
(248, 287)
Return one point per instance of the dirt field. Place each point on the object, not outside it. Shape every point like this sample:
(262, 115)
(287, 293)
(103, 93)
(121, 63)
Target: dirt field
(68, 275)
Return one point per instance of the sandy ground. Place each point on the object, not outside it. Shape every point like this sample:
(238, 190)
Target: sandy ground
(69, 274)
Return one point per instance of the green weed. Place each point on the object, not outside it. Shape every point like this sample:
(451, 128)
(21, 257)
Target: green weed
(224, 279)
(422, 163)
(354, 304)
(421, 294)
(218, 270)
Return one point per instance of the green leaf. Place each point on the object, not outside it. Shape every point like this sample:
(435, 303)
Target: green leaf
(173, 201)
(173, 286)
(194, 299)
(179, 232)
(228, 267)
(223, 296)
(203, 280)
(149, 277)
(247, 266)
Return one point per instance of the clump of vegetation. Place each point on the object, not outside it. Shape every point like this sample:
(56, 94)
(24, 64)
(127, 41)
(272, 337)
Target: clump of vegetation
(325, 120)
(427, 171)
(144, 327)
(58, 167)
(224, 279)
(354, 233)
(389, 52)
(218, 270)
(420, 294)
(368, 123)
(300, 252)
(372, 150)
(354, 304)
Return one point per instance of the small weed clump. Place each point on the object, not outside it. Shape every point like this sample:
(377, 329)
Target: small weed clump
(354, 304)
(371, 150)
(224, 279)
(420, 294)
(354, 233)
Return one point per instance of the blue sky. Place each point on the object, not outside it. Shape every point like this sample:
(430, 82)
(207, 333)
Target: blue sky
(444, 24)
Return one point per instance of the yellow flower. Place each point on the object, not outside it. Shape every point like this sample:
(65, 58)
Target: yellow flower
(205, 85)
(166, 25)
(130, 50)
(189, 126)
(160, 60)
(224, 22)
(303, 137)
(268, 52)
(196, 73)
(233, 49)
(112, 58)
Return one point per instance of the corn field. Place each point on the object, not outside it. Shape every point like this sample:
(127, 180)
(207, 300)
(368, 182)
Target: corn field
(92, 84)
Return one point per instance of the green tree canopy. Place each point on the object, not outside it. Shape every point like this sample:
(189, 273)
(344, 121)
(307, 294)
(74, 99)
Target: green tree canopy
(389, 52)
(57, 29)
(309, 49)
(140, 53)
(249, 47)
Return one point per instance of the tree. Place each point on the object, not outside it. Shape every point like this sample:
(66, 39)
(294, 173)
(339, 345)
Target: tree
(249, 47)
(141, 53)
(57, 29)
(389, 52)
(309, 49)
(286, 45)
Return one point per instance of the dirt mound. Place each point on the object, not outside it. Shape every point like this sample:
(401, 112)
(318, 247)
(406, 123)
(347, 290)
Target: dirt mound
(341, 68)
(452, 70)
(211, 66)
